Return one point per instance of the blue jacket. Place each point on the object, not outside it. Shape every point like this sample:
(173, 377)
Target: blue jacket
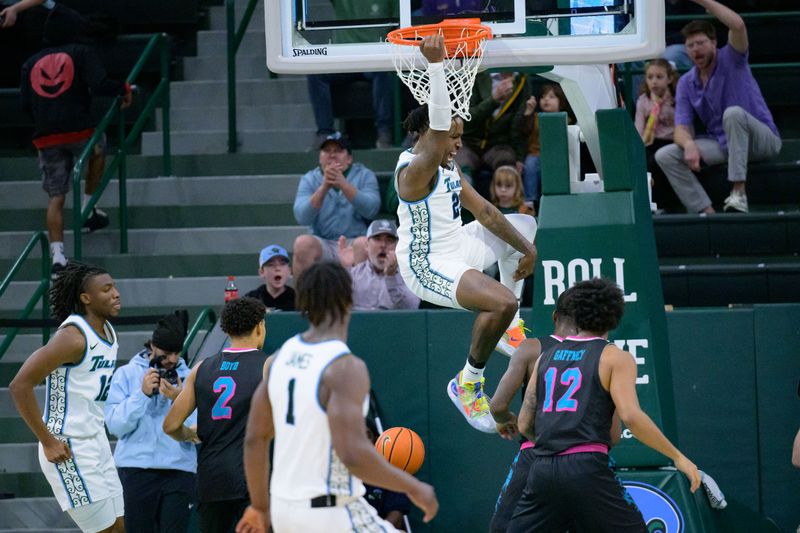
(136, 420)
(338, 216)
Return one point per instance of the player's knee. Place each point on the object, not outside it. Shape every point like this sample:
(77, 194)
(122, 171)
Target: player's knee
(507, 305)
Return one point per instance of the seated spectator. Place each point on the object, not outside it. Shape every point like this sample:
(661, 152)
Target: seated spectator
(157, 473)
(506, 191)
(489, 139)
(391, 506)
(319, 92)
(338, 198)
(722, 92)
(56, 89)
(274, 269)
(551, 100)
(377, 284)
(655, 122)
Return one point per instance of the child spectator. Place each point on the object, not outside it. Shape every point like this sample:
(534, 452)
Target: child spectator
(655, 122)
(274, 270)
(506, 191)
(551, 100)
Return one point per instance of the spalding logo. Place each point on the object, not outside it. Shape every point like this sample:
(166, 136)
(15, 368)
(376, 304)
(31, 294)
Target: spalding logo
(660, 512)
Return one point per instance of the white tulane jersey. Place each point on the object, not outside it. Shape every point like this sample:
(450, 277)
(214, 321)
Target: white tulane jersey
(305, 463)
(77, 392)
(431, 225)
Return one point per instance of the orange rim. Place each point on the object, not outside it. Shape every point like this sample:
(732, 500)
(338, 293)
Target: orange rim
(455, 31)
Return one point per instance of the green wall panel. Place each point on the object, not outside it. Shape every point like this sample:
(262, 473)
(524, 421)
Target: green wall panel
(715, 396)
(777, 368)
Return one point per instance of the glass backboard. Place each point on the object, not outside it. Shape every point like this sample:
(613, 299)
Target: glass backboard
(318, 36)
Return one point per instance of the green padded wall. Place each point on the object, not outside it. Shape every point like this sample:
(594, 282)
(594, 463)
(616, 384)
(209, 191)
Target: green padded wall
(608, 234)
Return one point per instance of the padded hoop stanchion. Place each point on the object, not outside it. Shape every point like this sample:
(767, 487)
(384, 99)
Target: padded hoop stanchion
(464, 40)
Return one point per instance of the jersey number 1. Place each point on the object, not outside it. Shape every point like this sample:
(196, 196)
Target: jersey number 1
(572, 379)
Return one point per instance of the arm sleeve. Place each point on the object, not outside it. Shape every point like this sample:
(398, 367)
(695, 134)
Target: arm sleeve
(92, 71)
(367, 202)
(401, 296)
(124, 408)
(304, 212)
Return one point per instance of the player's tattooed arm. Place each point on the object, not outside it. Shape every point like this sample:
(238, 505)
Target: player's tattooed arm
(527, 413)
(492, 219)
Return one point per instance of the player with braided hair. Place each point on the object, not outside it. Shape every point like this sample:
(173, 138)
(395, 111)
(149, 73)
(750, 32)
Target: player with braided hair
(78, 363)
(441, 260)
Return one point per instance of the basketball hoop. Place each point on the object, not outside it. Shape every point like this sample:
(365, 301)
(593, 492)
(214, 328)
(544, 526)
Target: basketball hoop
(464, 40)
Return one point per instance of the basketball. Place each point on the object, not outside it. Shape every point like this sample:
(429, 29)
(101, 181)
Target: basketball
(402, 447)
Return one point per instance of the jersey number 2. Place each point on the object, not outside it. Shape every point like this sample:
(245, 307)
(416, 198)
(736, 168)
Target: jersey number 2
(456, 206)
(571, 378)
(227, 387)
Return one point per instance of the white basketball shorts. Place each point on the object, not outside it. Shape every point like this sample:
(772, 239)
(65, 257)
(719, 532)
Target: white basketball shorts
(356, 516)
(434, 277)
(89, 477)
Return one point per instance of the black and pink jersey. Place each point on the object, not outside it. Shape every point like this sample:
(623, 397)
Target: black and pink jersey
(573, 408)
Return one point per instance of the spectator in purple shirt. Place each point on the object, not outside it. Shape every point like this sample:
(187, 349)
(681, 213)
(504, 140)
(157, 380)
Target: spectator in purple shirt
(377, 284)
(720, 90)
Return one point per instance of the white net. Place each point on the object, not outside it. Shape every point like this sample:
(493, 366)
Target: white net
(460, 69)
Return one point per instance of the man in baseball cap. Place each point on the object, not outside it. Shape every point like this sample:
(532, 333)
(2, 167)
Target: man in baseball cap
(273, 268)
(376, 282)
(336, 200)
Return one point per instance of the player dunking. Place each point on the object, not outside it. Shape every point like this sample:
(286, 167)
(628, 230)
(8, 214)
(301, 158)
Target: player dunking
(313, 402)
(568, 408)
(78, 363)
(442, 260)
(221, 388)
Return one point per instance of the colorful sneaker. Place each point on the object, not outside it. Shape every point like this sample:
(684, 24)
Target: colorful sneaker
(512, 338)
(473, 403)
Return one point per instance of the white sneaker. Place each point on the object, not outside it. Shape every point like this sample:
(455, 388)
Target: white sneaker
(737, 201)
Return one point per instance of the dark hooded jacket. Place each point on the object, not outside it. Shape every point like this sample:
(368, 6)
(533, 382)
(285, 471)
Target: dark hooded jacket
(57, 84)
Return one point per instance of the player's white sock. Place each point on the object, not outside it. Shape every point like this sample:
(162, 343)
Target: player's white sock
(57, 252)
(470, 374)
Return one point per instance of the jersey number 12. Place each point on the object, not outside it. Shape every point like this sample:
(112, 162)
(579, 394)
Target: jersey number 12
(571, 378)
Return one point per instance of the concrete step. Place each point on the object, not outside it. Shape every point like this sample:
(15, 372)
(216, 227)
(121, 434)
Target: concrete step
(170, 191)
(292, 116)
(156, 242)
(209, 93)
(296, 162)
(19, 458)
(215, 67)
(189, 216)
(7, 409)
(162, 292)
(142, 266)
(212, 42)
(34, 515)
(216, 142)
(216, 15)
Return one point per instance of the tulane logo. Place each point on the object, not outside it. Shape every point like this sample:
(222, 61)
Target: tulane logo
(660, 512)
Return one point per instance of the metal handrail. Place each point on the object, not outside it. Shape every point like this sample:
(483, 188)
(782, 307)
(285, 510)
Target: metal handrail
(234, 40)
(205, 314)
(40, 292)
(118, 164)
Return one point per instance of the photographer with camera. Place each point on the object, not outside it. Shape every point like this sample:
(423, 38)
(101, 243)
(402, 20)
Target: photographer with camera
(157, 473)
